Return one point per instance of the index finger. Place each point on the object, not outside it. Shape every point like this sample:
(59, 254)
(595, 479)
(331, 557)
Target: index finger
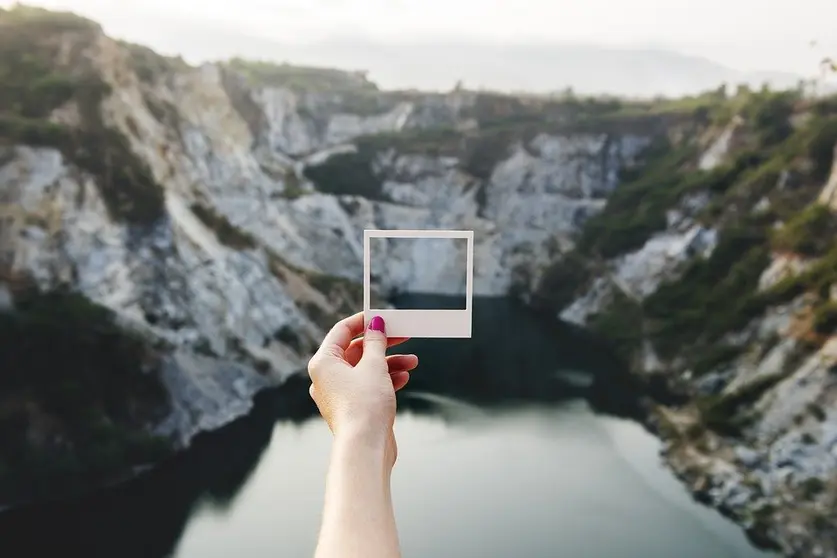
(341, 334)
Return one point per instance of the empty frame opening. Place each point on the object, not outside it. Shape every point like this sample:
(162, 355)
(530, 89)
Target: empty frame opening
(420, 273)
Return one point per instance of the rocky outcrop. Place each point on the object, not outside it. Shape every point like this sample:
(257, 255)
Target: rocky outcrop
(730, 304)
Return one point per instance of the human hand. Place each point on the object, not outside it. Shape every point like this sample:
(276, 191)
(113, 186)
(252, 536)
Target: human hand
(354, 382)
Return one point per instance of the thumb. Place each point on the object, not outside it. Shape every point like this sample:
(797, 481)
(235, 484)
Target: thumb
(375, 340)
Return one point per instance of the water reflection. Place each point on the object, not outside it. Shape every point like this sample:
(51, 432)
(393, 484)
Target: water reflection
(512, 363)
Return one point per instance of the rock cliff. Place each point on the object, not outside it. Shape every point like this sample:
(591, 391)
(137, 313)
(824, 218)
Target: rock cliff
(215, 213)
(210, 220)
(713, 271)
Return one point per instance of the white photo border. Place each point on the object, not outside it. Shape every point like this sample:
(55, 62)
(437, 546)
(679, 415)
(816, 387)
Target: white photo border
(421, 323)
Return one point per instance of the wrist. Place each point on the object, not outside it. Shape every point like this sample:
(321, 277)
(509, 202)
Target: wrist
(362, 434)
(365, 441)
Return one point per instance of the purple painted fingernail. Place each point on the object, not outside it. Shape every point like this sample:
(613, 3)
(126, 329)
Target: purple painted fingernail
(377, 324)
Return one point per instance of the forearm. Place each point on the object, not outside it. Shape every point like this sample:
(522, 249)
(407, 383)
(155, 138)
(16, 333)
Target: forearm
(358, 519)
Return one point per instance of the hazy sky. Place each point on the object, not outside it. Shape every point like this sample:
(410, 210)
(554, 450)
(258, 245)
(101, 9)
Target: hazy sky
(745, 34)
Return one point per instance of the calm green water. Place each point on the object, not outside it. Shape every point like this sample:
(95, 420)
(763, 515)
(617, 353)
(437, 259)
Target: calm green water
(500, 455)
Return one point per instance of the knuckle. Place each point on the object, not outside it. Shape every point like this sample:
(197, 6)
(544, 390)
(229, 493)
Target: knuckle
(314, 365)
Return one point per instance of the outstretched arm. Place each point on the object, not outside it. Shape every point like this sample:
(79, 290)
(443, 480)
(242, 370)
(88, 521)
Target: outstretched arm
(358, 519)
(354, 385)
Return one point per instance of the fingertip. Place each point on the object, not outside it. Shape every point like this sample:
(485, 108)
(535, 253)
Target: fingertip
(377, 324)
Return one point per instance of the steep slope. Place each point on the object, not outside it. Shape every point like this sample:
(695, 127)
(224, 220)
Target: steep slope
(212, 218)
(712, 270)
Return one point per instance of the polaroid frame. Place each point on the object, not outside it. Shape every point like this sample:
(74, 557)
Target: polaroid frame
(421, 323)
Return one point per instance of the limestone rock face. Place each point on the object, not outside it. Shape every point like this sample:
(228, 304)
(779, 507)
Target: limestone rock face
(256, 245)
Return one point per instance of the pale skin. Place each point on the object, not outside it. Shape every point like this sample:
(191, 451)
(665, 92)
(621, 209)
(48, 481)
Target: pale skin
(353, 383)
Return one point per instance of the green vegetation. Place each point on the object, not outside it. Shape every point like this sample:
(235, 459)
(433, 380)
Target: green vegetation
(300, 78)
(689, 316)
(728, 414)
(348, 174)
(293, 188)
(711, 298)
(431, 141)
(77, 393)
(148, 65)
(350, 92)
(810, 232)
(563, 281)
(816, 281)
(769, 114)
(825, 318)
(33, 84)
(621, 324)
(713, 356)
(227, 233)
(637, 209)
(819, 145)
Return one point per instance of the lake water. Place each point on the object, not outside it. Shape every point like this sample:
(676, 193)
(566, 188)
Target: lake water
(500, 455)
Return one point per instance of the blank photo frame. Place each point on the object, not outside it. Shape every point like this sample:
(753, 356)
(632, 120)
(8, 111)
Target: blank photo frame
(421, 323)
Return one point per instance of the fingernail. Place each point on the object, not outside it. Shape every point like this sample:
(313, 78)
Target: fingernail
(377, 324)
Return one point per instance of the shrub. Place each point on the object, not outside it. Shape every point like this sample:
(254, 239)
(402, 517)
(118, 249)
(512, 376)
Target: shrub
(810, 232)
(347, 174)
